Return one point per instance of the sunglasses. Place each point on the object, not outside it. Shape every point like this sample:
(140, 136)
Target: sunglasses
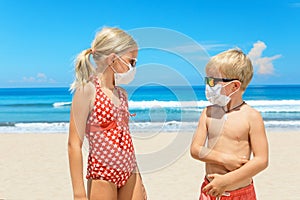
(132, 61)
(213, 81)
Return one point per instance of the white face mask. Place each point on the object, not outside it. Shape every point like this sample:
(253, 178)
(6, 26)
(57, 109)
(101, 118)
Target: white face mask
(126, 77)
(214, 96)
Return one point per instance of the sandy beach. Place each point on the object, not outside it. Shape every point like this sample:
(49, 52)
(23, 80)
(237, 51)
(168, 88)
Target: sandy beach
(35, 166)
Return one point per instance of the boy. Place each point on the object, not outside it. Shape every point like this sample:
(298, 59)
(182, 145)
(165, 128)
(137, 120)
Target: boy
(233, 131)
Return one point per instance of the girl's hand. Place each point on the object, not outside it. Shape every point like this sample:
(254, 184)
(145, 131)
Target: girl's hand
(80, 198)
(233, 162)
(217, 186)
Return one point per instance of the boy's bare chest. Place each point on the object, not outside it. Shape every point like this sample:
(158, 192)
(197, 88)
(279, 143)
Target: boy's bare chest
(230, 126)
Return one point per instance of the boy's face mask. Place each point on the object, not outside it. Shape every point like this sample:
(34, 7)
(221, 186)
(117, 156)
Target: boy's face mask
(214, 96)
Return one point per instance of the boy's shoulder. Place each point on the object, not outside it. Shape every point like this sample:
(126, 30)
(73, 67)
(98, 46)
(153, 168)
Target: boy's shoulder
(246, 110)
(251, 112)
(254, 117)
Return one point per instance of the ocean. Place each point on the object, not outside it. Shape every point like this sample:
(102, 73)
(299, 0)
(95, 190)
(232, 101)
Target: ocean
(156, 108)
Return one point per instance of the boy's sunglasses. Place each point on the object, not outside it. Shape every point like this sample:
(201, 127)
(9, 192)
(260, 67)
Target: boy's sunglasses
(213, 81)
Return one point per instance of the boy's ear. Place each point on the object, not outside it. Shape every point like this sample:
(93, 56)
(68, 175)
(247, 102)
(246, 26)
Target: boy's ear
(237, 84)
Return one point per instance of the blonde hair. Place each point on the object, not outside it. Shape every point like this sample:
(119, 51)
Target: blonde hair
(232, 64)
(108, 40)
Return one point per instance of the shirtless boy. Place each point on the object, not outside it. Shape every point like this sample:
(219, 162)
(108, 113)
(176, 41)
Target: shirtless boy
(230, 137)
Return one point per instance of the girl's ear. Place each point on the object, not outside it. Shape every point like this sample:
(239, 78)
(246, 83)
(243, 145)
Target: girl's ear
(111, 58)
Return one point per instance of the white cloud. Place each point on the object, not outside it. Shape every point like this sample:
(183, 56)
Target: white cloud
(39, 78)
(264, 65)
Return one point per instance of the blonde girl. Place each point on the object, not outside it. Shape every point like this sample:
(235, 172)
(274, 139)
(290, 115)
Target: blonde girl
(99, 112)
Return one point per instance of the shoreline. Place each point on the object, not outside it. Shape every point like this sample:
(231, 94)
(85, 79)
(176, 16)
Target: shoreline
(139, 132)
(35, 166)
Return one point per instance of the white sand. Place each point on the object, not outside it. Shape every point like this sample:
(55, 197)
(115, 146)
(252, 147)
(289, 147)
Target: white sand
(35, 166)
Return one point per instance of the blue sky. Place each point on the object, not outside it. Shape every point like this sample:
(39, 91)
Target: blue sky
(39, 39)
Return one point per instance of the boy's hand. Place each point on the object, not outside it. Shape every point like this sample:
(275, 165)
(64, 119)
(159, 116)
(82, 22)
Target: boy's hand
(217, 186)
(233, 162)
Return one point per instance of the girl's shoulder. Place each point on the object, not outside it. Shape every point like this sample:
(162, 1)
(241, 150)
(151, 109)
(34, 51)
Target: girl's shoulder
(122, 90)
(86, 90)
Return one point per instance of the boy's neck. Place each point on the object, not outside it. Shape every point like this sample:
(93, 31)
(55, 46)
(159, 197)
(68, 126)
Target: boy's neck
(235, 103)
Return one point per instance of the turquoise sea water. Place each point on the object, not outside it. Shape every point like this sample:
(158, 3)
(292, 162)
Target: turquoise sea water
(156, 107)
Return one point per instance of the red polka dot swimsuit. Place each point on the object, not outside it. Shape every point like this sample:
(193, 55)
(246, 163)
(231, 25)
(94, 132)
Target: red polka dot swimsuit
(111, 153)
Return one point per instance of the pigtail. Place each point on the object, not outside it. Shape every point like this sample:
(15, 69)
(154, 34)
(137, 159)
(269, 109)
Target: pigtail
(83, 69)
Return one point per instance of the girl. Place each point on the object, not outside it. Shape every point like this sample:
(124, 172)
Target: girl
(100, 113)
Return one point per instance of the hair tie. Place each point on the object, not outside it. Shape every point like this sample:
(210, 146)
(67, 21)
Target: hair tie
(89, 51)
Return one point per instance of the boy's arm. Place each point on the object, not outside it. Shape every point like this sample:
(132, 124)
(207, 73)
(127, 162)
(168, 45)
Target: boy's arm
(259, 146)
(259, 162)
(200, 152)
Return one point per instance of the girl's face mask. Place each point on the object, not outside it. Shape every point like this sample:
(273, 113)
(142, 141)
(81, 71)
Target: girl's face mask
(126, 77)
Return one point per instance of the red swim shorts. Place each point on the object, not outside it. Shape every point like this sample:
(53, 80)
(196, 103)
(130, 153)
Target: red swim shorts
(245, 193)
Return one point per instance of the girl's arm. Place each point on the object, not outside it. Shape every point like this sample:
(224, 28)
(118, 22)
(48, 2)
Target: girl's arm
(80, 109)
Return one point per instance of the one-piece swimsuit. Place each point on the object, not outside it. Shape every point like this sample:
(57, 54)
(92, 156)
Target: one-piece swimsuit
(111, 152)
